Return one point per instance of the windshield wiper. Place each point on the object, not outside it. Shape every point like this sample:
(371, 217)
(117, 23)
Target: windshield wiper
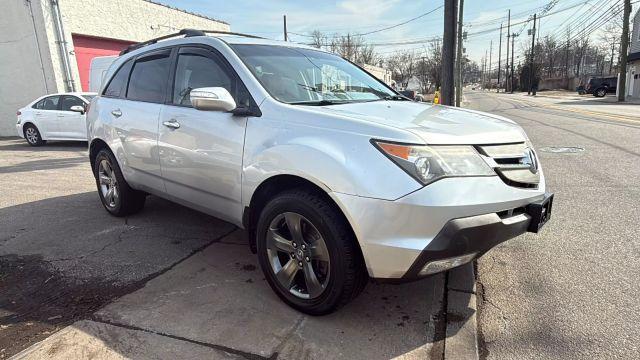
(394, 98)
(320, 102)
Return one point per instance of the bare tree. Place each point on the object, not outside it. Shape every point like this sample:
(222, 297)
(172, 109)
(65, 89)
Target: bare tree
(351, 47)
(318, 39)
(434, 62)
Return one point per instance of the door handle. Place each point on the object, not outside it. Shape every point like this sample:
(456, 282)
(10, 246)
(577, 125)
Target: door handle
(116, 112)
(173, 124)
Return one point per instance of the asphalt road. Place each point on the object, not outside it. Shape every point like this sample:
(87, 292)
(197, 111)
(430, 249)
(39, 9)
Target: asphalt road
(571, 291)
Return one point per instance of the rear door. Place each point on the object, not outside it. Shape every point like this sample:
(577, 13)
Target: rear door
(72, 124)
(201, 151)
(132, 101)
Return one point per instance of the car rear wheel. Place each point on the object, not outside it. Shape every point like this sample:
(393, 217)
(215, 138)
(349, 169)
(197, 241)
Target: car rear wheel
(308, 253)
(601, 92)
(32, 135)
(117, 197)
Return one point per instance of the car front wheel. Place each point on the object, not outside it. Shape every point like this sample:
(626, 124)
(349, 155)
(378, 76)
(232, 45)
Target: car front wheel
(308, 253)
(600, 92)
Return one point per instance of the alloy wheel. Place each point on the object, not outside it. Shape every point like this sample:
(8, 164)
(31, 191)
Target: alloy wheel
(32, 135)
(298, 255)
(108, 184)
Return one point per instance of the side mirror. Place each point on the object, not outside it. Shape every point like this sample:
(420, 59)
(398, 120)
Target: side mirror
(77, 108)
(212, 98)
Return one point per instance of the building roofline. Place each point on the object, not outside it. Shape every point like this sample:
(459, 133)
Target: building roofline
(187, 12)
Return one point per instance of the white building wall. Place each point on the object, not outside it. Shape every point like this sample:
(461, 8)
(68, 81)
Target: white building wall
(26, 71)
(25, 40)
(635, 34)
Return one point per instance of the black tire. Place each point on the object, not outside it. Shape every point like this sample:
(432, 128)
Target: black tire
(348, 274)
(600, 92)
(32, 135)
(129, 201)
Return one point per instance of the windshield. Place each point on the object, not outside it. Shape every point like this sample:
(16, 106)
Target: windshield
(88, 97)
(304, 76)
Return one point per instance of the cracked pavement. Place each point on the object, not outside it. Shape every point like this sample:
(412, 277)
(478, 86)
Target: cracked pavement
(168, 282)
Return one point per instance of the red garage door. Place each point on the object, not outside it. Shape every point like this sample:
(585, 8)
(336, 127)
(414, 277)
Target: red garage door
(88, 47)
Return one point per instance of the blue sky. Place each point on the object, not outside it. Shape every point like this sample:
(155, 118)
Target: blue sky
(264, 18)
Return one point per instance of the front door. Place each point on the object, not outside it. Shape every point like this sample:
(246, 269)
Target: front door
(201, 151)
(46, 116)
(71, 124)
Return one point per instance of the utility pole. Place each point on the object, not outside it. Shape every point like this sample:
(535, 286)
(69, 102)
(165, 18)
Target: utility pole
(513, 59)
(531, 66)
(459, 55)
(499, 58)
(448, 51)
(506, 84)
(489, 68)
(286, 37)
(624, 44)
(482, 72)
(566, 57)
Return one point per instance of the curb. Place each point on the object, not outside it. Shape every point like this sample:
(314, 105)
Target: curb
(461, 340)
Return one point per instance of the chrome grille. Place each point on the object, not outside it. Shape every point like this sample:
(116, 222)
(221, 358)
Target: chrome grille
(516, 164)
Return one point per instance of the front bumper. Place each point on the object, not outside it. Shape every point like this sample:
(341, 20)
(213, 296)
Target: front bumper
(449, 218)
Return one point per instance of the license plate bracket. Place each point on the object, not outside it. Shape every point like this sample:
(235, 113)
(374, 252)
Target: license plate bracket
(540, 212)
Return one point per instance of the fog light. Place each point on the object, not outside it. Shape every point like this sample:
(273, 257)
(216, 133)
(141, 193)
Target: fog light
(446, 264)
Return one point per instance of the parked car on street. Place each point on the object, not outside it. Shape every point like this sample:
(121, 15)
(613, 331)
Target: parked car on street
(601, 86)
(54, 117)
(335, 176)
(412, 94)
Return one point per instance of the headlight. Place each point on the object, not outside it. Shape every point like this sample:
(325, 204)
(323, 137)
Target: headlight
(430, 163)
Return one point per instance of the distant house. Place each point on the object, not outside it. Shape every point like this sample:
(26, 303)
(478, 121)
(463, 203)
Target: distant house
(381, 73)
(633, 60)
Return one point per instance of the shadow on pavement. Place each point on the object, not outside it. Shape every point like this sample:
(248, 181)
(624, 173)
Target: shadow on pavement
(191, 280)
(18, 144)
(63, 258)
(44, 164)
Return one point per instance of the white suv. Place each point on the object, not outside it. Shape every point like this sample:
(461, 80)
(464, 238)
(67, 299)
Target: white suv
(335, 177)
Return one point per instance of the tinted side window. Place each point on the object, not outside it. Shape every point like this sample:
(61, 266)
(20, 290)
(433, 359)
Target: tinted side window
(69, 101)
(195, 71)
(149, 78)
(118, 81)
(50, 103)
(39, 104)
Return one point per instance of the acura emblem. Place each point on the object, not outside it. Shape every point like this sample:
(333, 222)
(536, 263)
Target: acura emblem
(529, 158)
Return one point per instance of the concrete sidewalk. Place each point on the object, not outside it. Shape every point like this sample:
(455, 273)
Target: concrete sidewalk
(216, 304)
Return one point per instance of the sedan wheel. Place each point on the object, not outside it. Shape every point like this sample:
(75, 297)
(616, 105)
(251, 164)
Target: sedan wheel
(32, 135)
(298, 255)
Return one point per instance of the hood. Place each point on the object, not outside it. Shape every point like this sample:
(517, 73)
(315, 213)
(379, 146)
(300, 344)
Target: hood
(435, 124)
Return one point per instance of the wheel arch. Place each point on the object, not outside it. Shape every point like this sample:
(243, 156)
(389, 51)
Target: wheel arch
(94, 148)
(276, 184)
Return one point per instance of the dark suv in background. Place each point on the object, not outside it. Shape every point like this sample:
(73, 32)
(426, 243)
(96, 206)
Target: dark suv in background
(601, 86)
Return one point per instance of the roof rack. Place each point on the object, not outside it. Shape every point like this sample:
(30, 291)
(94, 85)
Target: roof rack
(187, 33)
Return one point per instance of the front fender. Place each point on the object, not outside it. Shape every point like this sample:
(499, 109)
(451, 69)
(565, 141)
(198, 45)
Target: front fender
(341, 162)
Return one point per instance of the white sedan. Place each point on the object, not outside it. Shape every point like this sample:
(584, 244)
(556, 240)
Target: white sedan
(54, 117)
